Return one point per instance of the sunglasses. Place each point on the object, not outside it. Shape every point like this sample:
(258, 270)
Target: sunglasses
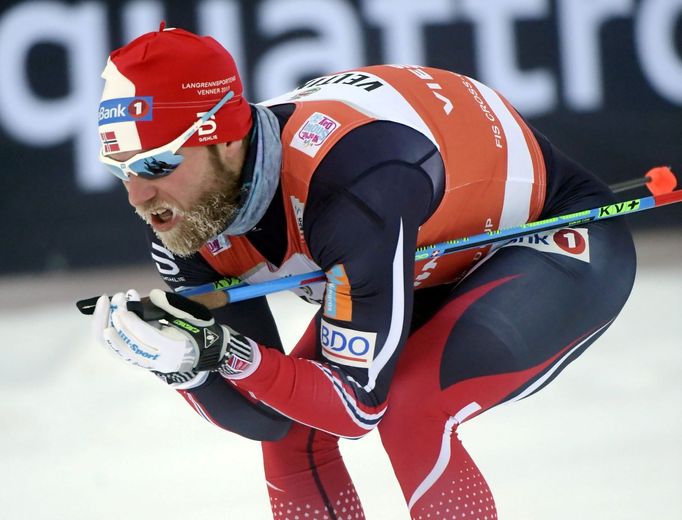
(160, 161)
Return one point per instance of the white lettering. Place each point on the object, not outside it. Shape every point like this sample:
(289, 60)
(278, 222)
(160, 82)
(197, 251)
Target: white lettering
(42, 122)
(337, 44)
(141, 16)
(165, 263)
(422, 74)
(402, 22)
(424, 273)
(447, 104)
(655, 30)
(580, 22)
(209, 126)
(222, 20)
(336, 48)
(532, 92)
(497, 132)
(216, 83)
(209, 91)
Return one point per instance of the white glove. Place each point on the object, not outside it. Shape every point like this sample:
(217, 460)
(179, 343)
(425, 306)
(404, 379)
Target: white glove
(187, 338)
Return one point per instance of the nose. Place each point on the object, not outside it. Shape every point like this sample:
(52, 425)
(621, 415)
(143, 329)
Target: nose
(140, 190)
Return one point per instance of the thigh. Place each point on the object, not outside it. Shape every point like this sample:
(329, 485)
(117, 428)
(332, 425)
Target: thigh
(515, 322)
(553, 295)
(502, 334)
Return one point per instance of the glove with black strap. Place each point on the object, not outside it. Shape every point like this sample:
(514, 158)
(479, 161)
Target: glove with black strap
(180, 347)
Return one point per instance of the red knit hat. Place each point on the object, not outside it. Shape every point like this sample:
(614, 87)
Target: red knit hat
(156, 86)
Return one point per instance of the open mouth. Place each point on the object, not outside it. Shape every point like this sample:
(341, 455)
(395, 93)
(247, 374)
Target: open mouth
(162, 219)
(162, 215)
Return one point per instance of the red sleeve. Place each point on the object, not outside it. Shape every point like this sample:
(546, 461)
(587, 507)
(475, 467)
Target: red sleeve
(311, 393)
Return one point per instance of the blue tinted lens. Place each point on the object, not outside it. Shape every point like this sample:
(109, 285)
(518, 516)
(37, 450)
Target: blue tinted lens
(158, 165)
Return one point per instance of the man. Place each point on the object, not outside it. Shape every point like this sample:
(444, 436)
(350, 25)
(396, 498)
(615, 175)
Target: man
(351, 173)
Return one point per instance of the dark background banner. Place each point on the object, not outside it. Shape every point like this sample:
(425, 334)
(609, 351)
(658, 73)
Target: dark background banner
(603, 80)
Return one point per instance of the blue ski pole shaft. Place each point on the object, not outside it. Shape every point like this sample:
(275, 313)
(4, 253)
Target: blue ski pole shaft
(245, 292)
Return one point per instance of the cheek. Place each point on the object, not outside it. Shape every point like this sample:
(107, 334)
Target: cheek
(194, 190)
(197, 178)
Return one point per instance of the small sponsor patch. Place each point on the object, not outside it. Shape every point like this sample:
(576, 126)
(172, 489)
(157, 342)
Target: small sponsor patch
(314, 132)
(210, 338)
(120, 110)
(348, 347)
(298, 94)
(236, 365)
(573, 242)
(298, 207)
(218, 244)
(337, 300)
(140, 108)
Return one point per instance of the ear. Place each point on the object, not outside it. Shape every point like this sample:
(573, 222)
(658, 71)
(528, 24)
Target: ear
(232, 150)
(231, 155)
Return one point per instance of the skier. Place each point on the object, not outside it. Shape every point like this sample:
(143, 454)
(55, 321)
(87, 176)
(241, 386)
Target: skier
(350, 173)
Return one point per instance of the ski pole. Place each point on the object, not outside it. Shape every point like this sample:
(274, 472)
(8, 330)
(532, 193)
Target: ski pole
(658, 180)
(245, 292)
(218, 294)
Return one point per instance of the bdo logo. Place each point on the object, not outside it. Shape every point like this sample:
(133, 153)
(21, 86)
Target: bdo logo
(347, 346)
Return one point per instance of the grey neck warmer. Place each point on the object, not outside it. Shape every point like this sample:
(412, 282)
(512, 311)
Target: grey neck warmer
(258, 192)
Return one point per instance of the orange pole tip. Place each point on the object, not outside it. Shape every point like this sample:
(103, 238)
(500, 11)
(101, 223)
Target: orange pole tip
(661, 180)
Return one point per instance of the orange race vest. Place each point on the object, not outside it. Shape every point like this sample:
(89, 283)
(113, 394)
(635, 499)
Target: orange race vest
(495, 173)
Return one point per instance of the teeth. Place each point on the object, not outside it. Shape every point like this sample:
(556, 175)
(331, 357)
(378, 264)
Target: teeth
(163, 214)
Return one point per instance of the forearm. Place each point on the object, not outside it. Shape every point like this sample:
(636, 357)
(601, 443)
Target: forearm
(221, 403)
(314, 394)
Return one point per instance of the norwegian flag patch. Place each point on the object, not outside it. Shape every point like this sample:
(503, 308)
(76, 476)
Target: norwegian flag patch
(109, 142)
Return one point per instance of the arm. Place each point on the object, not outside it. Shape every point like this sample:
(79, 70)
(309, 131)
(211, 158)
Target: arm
(361, 224)
(221, 402)
(213, 398)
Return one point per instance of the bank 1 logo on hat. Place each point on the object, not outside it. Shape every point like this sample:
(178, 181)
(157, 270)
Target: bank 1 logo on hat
(160, 83)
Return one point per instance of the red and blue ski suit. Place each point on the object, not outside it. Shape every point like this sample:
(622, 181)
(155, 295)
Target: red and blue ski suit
(377, 162)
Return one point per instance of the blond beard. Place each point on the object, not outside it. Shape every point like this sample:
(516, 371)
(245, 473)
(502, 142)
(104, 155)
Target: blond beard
(210, 215)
